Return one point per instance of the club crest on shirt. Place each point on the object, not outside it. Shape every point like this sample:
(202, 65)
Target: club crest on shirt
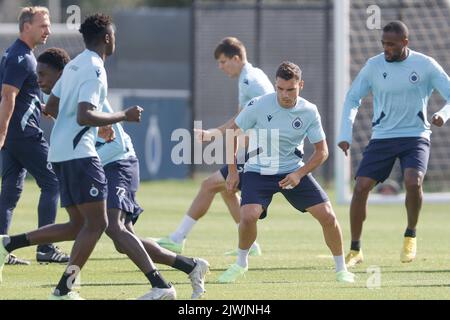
(297, 123)
(414, 77)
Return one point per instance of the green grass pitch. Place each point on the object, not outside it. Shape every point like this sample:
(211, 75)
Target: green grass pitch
(295, 264)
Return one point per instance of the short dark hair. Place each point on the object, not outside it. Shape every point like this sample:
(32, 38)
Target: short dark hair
(56, 58)
(288, 70)
(230, 47)
(398, 27)
(95, 27)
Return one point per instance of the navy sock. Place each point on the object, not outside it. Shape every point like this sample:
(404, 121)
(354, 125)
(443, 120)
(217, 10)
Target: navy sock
(184, 264)
(410, 233)
(62, 288)
(17, 242)
(355, 245)
(157, 280)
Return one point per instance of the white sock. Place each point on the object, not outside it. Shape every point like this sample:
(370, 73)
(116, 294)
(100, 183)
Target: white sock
(183, 229)
(340, 263)
(242, 257)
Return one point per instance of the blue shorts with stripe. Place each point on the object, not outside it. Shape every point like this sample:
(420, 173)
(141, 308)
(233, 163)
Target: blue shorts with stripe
(380, 155)
(81, 181)
(123, 182)
(259, 189)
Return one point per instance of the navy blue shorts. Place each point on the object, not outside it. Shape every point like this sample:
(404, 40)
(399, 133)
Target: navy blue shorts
(123, 182)
(28, 154)
(81, 181)
(380, 155)
(259, 189)
(240, 168)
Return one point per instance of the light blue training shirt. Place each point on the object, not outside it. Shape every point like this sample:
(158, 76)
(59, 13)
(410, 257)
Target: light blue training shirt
(400, 96)
(279, 132)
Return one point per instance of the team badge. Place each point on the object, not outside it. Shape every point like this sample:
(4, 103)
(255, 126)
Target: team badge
(93, 191)
(414, 77)
(297, 123)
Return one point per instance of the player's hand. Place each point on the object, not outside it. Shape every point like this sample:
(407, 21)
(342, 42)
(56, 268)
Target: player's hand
(437, 120)
(290, 181)
(202, 135)
(133, 114)
(344, 145)
(107, 133)
(44, 112)
(2, 140)
(232, 181)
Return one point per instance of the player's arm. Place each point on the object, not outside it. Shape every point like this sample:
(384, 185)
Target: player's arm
(88, 116)
(51, 108)
(232, 143)
(441, 81)
(319, 156)
(207, 135)
(244, 121)
(89, 101)
(15, 75)
(9, 94)
(359, 89)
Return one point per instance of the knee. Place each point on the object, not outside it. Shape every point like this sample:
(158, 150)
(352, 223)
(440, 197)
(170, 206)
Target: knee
(118, 247)
(413, 182)
(100, 225)
(113, 230)
(328, 218)
(362, 188)
(249, 215)
(75, 227)
(209, 185)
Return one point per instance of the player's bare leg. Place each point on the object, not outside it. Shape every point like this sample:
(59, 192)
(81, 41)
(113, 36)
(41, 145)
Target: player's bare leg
(128, 242)
(413, 180)
(233, 202)
(358, 206)
(358, 213)
(209, 188)
(195, 268)
(323, 212)
(332, 233)
(250, 214)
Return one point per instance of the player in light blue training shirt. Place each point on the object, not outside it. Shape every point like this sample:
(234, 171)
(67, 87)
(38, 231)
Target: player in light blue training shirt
(122, 172)
(282, 120)
(231, 56)
(401, 81)
(75, 103)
